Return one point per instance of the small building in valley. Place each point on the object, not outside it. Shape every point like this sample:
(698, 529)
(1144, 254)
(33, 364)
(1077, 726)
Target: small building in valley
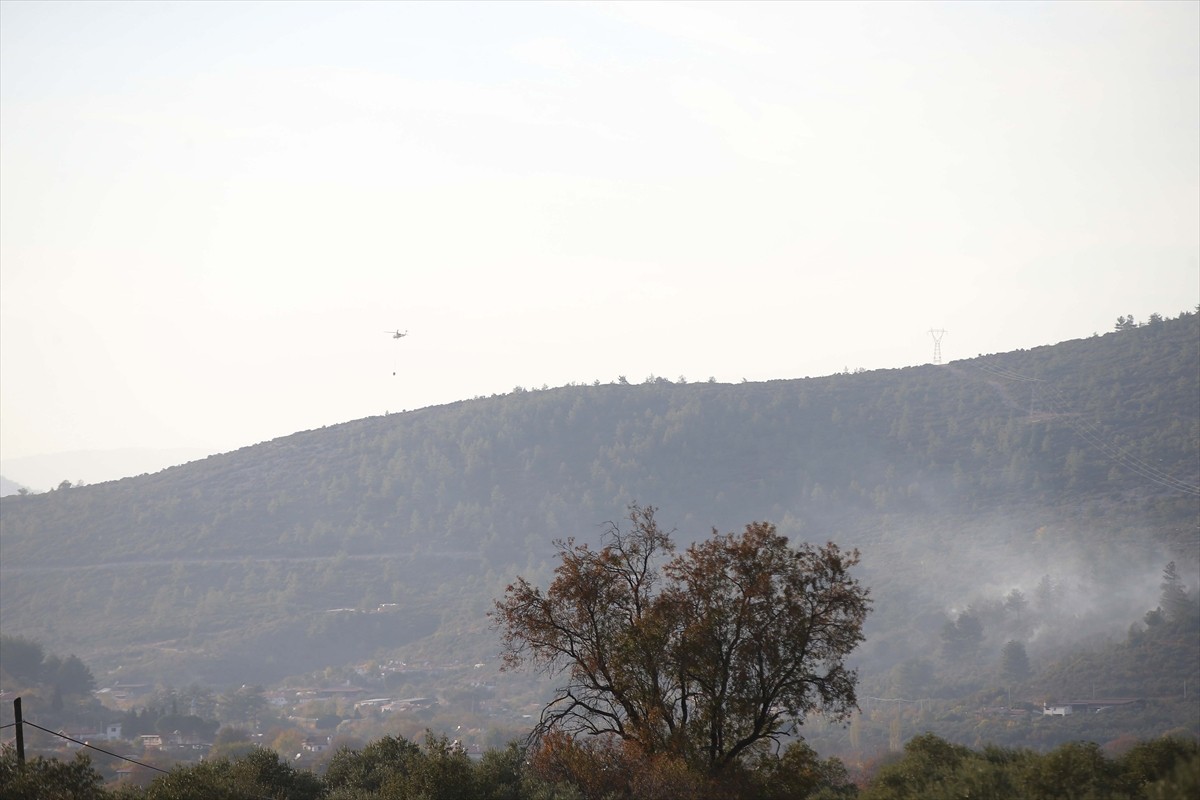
(1086, 706)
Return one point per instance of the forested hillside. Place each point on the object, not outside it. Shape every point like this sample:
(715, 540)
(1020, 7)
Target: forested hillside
(1076, 464)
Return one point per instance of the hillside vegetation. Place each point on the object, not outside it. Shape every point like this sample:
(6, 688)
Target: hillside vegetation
(1076, 464)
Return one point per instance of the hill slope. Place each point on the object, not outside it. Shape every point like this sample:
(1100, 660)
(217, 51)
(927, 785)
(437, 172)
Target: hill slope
(1078, 459)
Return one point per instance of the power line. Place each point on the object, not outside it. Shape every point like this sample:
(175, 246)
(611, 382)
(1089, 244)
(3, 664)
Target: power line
(1096, 437)
(1093, 435)
(1008, 374)
(101, 749)
(110, 753)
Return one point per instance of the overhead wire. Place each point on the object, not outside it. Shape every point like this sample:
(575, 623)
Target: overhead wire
(1096, 437)
(110, 753)
(1092, 434)
(94, 747)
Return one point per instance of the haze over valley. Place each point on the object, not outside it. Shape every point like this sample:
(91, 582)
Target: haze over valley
(1039, 493)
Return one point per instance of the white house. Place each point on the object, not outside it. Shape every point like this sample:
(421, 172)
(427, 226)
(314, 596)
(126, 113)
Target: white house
(110, 733)
(316, 744)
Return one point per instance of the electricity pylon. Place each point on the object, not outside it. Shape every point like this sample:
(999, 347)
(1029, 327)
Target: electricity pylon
(937, 344)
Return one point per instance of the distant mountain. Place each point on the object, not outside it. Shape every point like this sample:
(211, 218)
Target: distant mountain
(8, 487)
(1078, 461)
(43, 472)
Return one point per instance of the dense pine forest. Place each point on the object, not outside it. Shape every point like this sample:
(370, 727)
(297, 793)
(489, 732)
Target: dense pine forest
(1029, 524)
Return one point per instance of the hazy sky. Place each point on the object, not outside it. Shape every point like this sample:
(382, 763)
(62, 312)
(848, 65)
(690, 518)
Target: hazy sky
(210, 213)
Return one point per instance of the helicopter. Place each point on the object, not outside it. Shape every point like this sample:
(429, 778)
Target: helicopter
(396, 334)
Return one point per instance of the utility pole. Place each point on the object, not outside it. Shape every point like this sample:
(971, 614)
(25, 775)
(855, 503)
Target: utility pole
(20, 731)
(937, 344)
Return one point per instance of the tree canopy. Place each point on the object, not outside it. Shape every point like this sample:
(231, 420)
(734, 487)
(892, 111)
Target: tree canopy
(703, 654)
